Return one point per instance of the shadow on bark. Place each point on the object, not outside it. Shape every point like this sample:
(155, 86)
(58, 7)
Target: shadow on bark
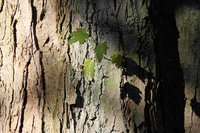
(195, 106)
(79, 103)
(102, 19)
(131, 68)
(194, 103)
(133, 93)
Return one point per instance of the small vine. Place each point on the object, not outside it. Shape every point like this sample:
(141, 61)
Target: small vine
(81, 35)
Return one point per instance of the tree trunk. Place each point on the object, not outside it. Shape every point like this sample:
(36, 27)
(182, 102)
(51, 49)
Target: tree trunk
(170, 96)
(42, 87)
(188, 18)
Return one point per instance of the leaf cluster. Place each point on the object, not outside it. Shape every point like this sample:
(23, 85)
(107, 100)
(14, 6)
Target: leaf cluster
(81, 35)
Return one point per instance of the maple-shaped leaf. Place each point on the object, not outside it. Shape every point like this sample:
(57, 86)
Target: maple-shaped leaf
(80, 35)
(88, 68)
(117, 58)
(100, 50)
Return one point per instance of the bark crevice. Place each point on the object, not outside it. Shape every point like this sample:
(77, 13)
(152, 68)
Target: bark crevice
(1, 6)
(24, 97)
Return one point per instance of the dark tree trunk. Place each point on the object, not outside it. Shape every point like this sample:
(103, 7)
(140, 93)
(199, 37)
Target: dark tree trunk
(169, 75)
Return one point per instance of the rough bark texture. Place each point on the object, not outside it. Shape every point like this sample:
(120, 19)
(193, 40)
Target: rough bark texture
(42, 88)
(188, 17)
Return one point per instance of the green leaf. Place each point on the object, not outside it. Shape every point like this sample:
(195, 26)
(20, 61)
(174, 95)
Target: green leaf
(117, 58)
(100, 50)
(80, 35)
(88, 68)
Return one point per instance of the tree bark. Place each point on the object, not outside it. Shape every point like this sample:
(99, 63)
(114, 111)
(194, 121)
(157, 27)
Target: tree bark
(42, 88)
(169, 72)
(188, 26)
